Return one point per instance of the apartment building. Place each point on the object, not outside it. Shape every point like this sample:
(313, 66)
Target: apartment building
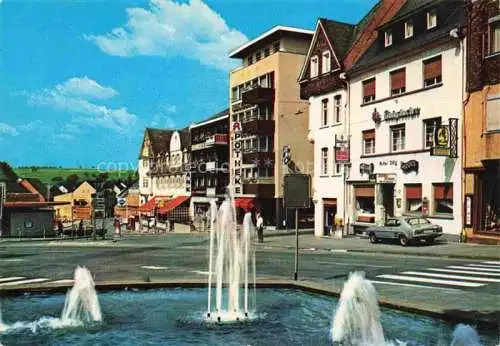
(405, 99)
(267, 114)
(481, 144)
(209, 165)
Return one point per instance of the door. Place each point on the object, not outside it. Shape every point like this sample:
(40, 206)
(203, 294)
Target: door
(388, 199)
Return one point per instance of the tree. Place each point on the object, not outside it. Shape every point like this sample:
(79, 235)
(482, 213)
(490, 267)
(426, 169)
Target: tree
(72, 181)
(57, 179)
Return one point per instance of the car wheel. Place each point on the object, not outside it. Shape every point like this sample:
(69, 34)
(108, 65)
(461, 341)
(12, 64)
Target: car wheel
(403, 240)
(429, 241)
(373, 238)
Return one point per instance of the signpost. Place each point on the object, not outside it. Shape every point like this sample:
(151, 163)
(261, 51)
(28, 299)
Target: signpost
(297, 195)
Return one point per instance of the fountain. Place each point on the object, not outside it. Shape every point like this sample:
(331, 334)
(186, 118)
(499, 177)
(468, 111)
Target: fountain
(229, 256)
(465, 335)
(81, 301)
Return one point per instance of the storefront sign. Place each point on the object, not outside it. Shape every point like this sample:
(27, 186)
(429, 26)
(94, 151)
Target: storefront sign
(341, 150)
(389, 163)
(401, 114)
(386, 178)
(409, 166)
(238, 157)
(468, 211)
(441, 145)
(365, 168)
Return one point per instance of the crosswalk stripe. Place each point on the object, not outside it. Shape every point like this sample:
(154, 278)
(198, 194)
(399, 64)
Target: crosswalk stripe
(412, 285)
(472, 268)
(463, 271)
(448, 276)
(12, 278)
(23, 282)
(492, 262)
(485, 267)
(65, 281)
(429, 280)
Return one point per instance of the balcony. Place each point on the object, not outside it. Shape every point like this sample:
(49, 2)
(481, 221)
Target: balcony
(162, 170)
(258, 95)
(258, 189)
(211, 141)
(254, 125)
(209, 166)
(258, 158)
(209, 191)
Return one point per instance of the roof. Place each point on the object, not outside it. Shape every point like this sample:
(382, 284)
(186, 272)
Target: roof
(9, 177)
(410, 7)
(24, 204)
(340, 34)
(213, 118)
(185, 137)
(38, 185)
(450, 18)
(363, 22)
(159, 139)
(279, 29)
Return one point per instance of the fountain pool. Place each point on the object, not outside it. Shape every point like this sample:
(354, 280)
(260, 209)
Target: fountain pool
(178, 317)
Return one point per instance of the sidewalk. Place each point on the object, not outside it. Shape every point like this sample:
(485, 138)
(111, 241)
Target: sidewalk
(442, 247)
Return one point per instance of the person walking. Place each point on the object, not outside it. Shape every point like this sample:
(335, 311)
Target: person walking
(260, 227)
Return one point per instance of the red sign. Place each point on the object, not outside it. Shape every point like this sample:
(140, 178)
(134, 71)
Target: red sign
(341, 155)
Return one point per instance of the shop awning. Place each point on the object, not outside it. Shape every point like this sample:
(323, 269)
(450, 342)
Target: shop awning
(172, 204)
(149, 206)
(331, 202)
(364, 191)
(246, 204)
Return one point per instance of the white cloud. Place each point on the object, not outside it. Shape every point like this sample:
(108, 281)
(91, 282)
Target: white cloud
(168, 28)
(84, 111)
(6, 129)
(163, 121)
(86, 88)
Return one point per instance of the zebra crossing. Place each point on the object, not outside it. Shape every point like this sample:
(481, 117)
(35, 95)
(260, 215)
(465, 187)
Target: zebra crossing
(452, 277)
(21, 280)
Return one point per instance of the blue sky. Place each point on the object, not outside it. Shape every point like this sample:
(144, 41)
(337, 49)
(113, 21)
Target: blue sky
(80, 80)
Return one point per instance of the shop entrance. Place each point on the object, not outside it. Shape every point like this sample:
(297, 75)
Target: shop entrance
(388, 199)
(329, 212)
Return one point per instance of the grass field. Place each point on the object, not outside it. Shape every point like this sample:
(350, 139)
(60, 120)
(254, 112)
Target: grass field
(46, 175)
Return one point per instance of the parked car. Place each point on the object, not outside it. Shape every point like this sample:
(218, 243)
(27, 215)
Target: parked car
(405, 229)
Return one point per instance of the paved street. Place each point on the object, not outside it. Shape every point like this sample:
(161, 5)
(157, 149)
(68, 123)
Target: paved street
(435, 283)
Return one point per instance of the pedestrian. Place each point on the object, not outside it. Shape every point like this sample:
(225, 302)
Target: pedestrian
(260, 227)
(118, 227)
(60, 228)
(80, 228)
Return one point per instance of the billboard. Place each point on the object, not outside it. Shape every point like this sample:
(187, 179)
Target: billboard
(297, 189)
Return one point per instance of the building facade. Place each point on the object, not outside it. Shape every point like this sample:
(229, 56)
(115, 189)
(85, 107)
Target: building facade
(406, 88)
(266, 114)
(481, 145)
(78, 203)
(209, 165)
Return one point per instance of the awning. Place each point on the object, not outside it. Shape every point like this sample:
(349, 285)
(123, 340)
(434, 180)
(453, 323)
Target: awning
(172, 204)
(246, 204)
(148, 206)
(331, 202)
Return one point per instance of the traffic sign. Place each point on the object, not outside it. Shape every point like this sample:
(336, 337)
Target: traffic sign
(286, 155)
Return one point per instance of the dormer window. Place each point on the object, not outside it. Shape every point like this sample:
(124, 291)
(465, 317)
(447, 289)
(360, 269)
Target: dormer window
(409, 28)
(388, 37)
(431, 19)
(325, 63)
(314, 66)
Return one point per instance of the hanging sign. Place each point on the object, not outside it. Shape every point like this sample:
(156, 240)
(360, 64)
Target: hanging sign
(238, 157)
(365, 168)
(409, 166)
(341, 150)
(441, 143)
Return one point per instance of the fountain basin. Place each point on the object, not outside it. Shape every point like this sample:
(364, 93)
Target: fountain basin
(177, 317)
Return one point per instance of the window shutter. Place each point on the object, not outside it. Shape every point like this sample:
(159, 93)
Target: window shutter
(369, 134)
(369, 87)
(398, 79)
(414, 191)
(443, 191)
(432, 68)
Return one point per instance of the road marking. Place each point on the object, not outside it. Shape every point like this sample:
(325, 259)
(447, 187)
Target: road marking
(354, 264)
(12, 278)
(13, 259)
(201, 272)
(154, 267)
(412, 285)
(65, 281)
(492, 262)
(463, 272)
(447, 276)
(471, 268)
(428, 280)
(483, 266)
(338, 250)
(24, 282)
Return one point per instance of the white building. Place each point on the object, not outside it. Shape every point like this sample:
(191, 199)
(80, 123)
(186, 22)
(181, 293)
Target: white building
(407, 84)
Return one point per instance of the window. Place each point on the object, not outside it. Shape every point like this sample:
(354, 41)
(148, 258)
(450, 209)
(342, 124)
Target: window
(413, 195)
(409, 28)
(388, 38)
(337, 168)
(365, 203)
(494, 34)
(443, 198)
(398, 138)
(324, 112)
(369, 90)
(257, 56)
(398, 81)
(429, 127)
(432, 71)
(325, 63)
(337, 100)
(493, 113)
(276, 47)
(250, 60)
(145, 182)
(431, 19)
(266, 51)
(324, 161)
(369, 142)
(314, 67)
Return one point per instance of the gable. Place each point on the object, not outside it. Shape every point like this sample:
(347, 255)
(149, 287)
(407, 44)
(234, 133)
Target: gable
(84, 188)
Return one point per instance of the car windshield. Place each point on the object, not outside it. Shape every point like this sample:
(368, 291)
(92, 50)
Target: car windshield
(415, 221)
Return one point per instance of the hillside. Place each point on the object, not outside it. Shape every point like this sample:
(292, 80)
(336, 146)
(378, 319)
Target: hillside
(55, 175)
